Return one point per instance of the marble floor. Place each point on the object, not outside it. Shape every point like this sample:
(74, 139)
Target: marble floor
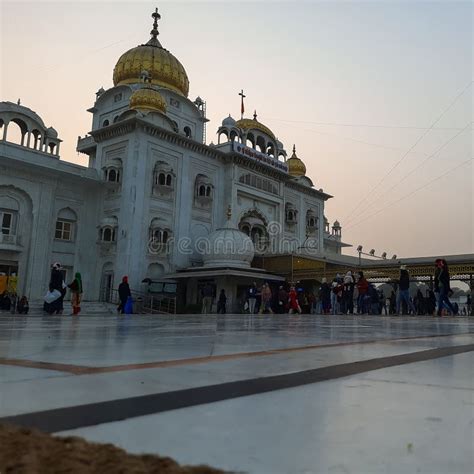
(257, 394)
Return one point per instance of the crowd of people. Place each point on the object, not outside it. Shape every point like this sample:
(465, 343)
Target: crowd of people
(346, 294)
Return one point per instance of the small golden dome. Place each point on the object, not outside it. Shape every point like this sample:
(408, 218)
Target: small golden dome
(164, 69)
(295, 166)
(148, 99)
(249, 124)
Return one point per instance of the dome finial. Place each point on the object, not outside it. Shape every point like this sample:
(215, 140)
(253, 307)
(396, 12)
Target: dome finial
(294, 149)
(154, 32)
(255, 115)
(229, 212)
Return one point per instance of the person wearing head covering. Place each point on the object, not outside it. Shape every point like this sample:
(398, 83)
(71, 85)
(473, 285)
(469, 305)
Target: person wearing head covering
(348, 294)
(442, 286)
(56, 283)
(76, 293)
(124, 292)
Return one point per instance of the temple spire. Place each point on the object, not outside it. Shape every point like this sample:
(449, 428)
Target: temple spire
(154, 32)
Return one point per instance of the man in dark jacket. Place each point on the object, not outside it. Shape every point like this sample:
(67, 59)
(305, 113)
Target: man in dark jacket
(124, 292)
(442, 286)
(404, 290)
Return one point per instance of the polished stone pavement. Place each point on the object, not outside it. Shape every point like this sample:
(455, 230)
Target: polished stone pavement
(407, 417)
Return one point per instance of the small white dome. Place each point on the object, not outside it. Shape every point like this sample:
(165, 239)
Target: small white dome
(228, 247)
(52, 133)
(228, 122)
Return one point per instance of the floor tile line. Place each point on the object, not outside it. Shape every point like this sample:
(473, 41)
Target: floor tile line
(68, 418)
(89, 370)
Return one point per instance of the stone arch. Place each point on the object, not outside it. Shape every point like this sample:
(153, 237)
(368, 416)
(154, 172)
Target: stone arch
(155, 271)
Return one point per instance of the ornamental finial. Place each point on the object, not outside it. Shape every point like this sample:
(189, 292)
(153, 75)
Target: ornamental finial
(154, 32)
(229, 212)
(255, 115)
(294, 149)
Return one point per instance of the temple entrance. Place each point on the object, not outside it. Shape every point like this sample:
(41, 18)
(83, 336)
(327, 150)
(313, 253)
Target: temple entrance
(106, 283)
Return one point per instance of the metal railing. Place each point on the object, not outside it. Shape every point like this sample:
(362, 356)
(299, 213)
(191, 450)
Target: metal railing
(147, 302)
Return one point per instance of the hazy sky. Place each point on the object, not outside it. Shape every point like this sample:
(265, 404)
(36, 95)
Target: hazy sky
(356, 85)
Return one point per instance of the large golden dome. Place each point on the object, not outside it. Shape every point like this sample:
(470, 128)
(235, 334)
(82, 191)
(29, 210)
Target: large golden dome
(163, 68)
(249, 124)
(147, 99)
(296, 167)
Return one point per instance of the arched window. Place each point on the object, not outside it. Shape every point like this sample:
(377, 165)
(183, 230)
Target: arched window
(291, 214)
(187, 132)
(107, 234)
(108, 229)
(245, 229)
(106, 123)
(203, 191)
(65, 225)
(163, 179)
(16, 131)
(112, 176)
(254, 224)
(116, 119)
(159, 237)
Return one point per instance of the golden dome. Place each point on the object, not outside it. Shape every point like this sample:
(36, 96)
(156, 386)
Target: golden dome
(249, 124)
(163, 68)
(149, 99)
(295, 166)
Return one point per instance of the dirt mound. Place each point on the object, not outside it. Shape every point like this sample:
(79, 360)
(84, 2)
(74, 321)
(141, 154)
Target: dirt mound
(25, 451)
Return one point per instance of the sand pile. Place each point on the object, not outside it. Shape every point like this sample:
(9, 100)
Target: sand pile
(25, 451)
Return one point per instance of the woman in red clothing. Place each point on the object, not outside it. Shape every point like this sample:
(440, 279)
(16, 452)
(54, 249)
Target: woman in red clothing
(293, 299)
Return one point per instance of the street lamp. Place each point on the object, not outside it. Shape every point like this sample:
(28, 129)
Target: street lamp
(371, 254)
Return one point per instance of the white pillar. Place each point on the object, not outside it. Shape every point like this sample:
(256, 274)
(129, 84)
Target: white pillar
(5, 131)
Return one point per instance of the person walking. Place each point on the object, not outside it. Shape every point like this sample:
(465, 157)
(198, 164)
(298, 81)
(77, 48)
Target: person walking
(266, 304)
(404, 292)
(56, 283)
(221, 302)
(348, 294)
(442, 285)
(207, 294)
(325, 296)
(374, 299)
(76, 293)
(252, 297)
(336, 294)
(293, 301)
(362, 287)
(23, 306)
(430, 302)
(282, 300)
(420, 303)
(124, 293)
